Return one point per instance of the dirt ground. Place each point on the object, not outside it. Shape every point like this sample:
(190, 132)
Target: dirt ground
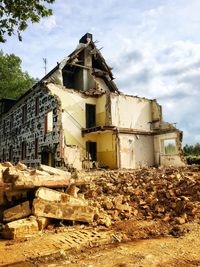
(133, 244)
(165, 252)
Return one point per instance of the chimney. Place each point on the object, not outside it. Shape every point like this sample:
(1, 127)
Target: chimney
(85, 38)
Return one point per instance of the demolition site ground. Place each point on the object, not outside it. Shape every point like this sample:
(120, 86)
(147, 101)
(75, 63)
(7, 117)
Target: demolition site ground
(143, 217)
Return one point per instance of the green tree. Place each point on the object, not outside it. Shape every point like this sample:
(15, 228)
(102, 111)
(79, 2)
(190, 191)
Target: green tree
(15, 15)
(192, 150)
(13, 81)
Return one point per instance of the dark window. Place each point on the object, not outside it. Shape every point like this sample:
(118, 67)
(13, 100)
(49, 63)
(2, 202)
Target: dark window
(36, 148)
(90, 116)
(23, 152)
(91, 149)
(37, 106)
(24, 113)
(11, 153)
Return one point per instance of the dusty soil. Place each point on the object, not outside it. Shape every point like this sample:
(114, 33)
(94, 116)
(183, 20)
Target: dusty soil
(133, 243)
(166, 251)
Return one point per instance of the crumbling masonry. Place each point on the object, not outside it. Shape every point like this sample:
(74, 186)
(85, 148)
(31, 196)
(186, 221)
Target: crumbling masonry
(76, 117)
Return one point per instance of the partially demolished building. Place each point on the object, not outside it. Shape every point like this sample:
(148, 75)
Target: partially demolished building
(76, 117)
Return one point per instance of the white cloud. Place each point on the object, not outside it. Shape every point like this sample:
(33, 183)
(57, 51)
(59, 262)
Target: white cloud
(49, 23)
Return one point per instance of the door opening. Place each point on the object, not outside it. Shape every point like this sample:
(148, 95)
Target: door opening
(47, 158)
(91, 149)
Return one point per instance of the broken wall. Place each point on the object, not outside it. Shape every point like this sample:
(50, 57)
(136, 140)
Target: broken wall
(73, 105)
(135, 151)
(174, 158)
(131, 112)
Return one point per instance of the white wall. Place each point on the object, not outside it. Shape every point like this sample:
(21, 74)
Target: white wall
(131, 112)
(135, 151)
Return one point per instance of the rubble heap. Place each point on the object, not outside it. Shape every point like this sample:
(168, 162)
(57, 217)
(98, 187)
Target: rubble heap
(169, 194)
(30, 199)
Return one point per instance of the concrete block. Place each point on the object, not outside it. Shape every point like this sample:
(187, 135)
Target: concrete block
(22, 228)
(32, 181)
(56, 196)
(18, 212)
(63, 211)
(54, 171)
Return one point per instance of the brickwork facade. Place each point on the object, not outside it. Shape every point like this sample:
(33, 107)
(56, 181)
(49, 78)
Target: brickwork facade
(30, 130)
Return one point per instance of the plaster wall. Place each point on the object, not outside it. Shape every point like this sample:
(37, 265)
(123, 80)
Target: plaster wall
(135, 151)
(131, 112)
(73, 105)
(106, 148)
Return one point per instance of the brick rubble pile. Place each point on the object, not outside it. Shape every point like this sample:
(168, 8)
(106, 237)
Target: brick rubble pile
(30, 199)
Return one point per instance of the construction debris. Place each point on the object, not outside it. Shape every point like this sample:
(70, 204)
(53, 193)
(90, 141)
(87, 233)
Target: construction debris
(25, 191)
(32, 199)
(63, 211)
(18, 212)
(169, 194)
(21, 228)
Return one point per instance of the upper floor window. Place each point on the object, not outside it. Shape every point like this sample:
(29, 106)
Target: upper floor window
(90, 115)
(24, 113)
(37, 106)
(48, 122)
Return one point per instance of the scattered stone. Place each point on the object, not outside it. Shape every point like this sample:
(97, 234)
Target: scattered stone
(180, 220)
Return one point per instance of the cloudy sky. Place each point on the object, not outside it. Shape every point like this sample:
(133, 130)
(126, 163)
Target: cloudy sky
(152, 45)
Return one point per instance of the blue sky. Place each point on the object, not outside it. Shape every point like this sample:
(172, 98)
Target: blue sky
(152, 45)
